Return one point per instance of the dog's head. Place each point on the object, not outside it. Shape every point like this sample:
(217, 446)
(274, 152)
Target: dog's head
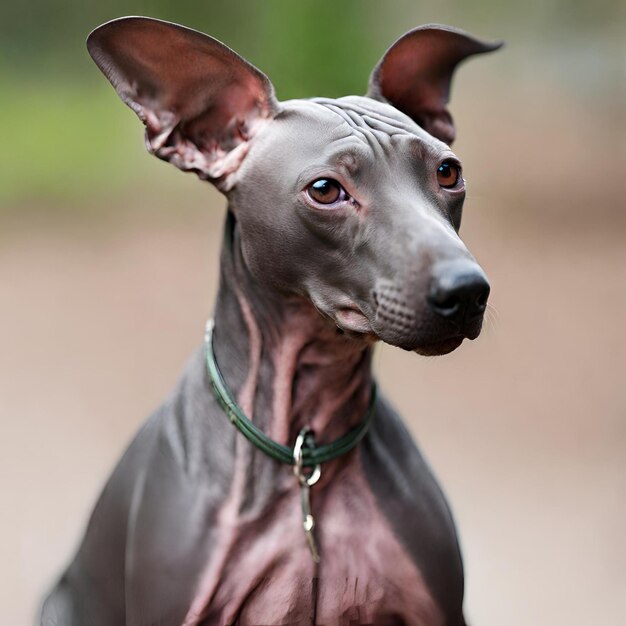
(354, 203)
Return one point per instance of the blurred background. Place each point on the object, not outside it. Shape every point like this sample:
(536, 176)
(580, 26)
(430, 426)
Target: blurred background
(108, 267)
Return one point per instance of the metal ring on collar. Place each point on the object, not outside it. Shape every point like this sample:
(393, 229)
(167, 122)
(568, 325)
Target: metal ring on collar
(305, 435)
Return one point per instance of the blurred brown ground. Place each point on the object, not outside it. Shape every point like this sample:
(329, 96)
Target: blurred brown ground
(525, 427)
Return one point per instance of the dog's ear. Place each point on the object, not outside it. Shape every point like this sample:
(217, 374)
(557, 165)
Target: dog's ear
(201, 102)
(414, 75)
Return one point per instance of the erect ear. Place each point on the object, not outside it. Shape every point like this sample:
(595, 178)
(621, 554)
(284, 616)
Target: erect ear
(414, 75)
(201, 102)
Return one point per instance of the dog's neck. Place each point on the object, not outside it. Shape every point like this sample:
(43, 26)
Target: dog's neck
(285, 364)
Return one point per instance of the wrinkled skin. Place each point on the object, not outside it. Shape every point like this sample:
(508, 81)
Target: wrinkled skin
(198, 527)
(371, 266)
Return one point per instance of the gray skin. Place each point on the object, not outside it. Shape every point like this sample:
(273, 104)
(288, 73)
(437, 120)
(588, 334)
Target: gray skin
(196, 526)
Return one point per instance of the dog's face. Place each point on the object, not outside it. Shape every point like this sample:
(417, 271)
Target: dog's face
(353, 203)
(350, 203)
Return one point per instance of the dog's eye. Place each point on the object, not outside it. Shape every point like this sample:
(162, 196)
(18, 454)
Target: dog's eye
(448, 174)
(326, 191)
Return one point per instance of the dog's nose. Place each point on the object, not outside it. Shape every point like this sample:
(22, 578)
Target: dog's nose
(459, 291)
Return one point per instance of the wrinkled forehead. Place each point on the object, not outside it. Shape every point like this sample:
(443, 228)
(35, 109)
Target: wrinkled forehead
(361, 126)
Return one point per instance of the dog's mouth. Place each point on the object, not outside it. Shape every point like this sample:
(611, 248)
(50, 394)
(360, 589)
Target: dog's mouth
(350, 320)
(353, 322)
(440, 348)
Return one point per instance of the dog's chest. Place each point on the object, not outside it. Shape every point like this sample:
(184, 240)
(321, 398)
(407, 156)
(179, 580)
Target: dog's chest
(365, 576)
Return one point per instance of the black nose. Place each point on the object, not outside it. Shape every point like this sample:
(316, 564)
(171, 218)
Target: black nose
(459, 291)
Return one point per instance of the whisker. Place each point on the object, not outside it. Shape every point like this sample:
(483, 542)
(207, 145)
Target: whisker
(491, 315)
(492, 307)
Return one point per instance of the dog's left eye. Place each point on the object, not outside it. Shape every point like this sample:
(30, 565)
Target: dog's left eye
(449, 174)
(326, 191)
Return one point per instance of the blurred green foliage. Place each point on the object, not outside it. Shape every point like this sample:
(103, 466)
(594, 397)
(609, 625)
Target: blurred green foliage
(67, 137)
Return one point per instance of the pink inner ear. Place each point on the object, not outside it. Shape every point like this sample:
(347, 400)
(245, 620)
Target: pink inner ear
(200, 101)
(405, 77)
(416, 80)
(228, 120)
(415, 74)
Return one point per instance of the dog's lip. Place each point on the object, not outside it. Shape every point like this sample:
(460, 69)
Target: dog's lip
(350, 318)
(439, 348)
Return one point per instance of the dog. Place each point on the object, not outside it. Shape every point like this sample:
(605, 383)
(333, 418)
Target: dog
(341, 230)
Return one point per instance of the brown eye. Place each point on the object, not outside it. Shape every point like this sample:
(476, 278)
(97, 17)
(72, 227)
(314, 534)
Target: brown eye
(326, 191)
(448, 174)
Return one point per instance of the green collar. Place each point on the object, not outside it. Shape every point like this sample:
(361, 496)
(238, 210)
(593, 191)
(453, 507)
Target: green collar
(311, 456)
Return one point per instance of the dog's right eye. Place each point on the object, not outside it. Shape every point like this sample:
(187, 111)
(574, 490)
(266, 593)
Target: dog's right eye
(449, 174)
(326, 191)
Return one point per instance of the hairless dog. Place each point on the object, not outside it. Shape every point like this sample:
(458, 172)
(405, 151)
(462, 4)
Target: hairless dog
(341, 230)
